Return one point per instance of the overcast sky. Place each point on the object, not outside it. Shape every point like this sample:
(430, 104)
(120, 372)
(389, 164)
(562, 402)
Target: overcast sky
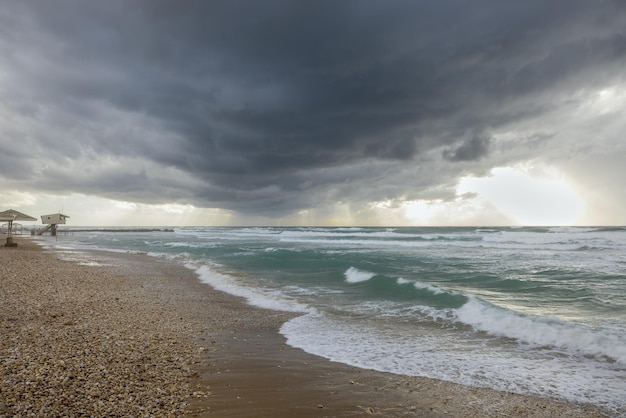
(314, 112)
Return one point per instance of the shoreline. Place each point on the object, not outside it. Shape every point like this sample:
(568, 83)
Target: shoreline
(146, 333)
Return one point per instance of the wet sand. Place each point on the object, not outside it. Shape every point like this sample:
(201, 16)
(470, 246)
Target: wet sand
(131, 335)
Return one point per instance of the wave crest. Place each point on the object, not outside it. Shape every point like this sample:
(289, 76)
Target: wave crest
(354, 275)
(541, 331)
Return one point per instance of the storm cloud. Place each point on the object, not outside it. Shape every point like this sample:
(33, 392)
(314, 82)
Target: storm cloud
(473, 148)
(270, 107)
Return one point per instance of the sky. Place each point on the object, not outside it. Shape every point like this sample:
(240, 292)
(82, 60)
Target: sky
(229, 112)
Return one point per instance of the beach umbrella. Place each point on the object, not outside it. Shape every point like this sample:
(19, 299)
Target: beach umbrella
(10, 216)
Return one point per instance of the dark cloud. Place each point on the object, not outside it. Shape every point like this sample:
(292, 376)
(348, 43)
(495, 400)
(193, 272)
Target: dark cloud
(473, 148)
(255, 99)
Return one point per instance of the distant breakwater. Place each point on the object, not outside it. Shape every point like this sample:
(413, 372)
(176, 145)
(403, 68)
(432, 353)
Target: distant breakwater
(118, 230)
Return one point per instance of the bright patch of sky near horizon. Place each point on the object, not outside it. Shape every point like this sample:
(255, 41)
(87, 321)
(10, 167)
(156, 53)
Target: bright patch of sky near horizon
(544, 200)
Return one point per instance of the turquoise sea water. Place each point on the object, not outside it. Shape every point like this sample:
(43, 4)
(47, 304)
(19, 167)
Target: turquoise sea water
(528, 310)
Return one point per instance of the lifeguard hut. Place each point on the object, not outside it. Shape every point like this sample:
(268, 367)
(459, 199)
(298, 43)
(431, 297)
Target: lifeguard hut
(52, 221)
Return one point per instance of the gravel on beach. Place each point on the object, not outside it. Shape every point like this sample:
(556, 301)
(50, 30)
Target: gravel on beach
(131, 335)
(83, 341)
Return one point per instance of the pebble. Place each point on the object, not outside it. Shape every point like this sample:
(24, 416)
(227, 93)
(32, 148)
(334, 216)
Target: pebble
(66, 349)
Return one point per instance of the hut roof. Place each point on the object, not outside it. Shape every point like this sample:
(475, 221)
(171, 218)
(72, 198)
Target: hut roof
(59, 214)
(13, 215)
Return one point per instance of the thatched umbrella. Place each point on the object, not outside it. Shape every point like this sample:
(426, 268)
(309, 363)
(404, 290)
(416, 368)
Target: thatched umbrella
(10, 216)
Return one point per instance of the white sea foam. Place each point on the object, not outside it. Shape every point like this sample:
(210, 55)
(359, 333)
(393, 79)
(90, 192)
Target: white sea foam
(427, 286)
(465, 360)
(342, 233)
(310, 291)
(263, 298)
(352, 243)
(571, 229)
(354, 275)
(189, 244)
(542, 331)
(83, 258)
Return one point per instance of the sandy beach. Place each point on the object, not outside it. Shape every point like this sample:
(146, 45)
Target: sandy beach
(131, 335)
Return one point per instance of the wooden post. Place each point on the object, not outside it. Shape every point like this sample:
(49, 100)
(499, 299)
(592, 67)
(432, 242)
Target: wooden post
(10, 242)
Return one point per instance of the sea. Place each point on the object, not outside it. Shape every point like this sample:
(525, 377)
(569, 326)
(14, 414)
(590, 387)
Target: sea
(537, 311)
